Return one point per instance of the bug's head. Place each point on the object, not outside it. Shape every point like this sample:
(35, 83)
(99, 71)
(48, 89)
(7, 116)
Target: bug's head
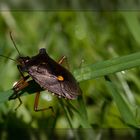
(22, 61)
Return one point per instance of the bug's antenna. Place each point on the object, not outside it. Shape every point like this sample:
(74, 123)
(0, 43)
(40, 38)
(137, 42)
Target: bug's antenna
(8, 58)
(14, 43)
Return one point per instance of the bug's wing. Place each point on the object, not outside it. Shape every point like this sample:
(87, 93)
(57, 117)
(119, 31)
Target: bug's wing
(70, 90)
(67, 88)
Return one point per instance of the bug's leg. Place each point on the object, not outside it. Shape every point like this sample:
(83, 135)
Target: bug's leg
(62, 59)
(20, 102)
(20, 71)
(36, 104)
(21, 84)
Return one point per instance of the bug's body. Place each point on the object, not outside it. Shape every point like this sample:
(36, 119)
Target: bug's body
(46, 74)
(50, 75)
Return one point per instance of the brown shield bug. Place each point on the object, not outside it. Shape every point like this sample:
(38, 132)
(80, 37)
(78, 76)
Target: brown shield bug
(46, 74)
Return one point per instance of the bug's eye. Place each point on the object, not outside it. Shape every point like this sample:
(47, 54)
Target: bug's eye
(60, 78)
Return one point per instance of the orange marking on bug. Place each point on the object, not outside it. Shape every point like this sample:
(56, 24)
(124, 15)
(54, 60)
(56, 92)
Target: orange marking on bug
(60, 78)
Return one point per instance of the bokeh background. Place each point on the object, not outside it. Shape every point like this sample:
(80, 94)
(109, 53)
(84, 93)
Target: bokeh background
(85, 37)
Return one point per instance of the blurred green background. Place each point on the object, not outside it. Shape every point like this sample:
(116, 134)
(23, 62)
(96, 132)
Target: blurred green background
(85, 38)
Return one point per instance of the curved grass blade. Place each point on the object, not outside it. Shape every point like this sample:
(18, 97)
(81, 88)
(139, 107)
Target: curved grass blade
(108, 67)
(123, 106)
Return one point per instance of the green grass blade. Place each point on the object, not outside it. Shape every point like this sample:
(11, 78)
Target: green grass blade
(132, 21)
(79, 110)
(108, 67)
(123, 106)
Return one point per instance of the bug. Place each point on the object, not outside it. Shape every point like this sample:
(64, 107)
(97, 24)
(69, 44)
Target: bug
(47, 74)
